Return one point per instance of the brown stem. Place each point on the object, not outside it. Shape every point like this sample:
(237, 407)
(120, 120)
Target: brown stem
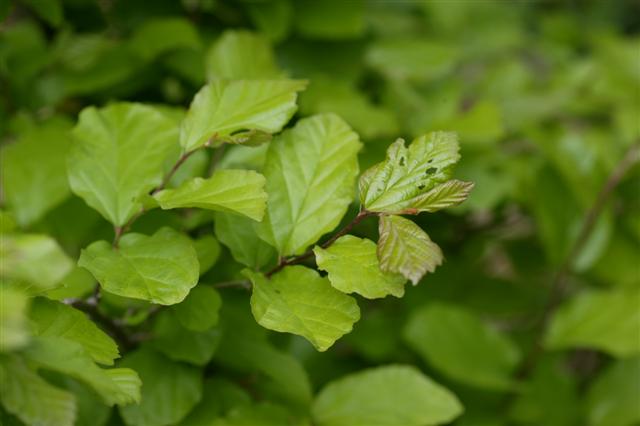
(559, 284)
(235, 283)
(298, 259)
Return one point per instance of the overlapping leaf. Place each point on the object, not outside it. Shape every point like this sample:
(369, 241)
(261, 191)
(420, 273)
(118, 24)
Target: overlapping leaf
(311, 171)
(297, 300)
(14, 324)
(239, 234)
(199, 311)
(161, 268)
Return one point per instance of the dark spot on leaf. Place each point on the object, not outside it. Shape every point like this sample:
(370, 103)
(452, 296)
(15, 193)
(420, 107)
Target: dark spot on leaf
(430, 170)
(420, 187)
(430, 161)
(402, 161)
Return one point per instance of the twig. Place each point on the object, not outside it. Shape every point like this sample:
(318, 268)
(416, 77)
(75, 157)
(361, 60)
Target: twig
(559, 284)
(298, 259)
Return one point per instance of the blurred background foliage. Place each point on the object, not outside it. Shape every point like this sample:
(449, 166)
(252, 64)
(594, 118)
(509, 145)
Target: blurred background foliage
(545, 96)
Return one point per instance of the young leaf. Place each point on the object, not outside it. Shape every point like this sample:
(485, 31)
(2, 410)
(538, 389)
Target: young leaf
(353, 267)
(14, 323)
(170, 389)
(199, 311)
(56, 319)
(460, 345)
(399, 185)
(236, 191)
(223, 107)
(33, 262)
(115, 386)
(118, 156)
(604, 320)
(30, 398)
(161, 268)
(448, 194)
(297, 300)
(311, 171)
(393, 395)
(34, 171)
(403, 247)
(239, 234)
(612, 398)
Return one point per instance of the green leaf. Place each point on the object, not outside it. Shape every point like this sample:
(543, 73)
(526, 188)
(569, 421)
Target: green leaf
(115, 386)
(157, 36)
(208, 250)
(457, 343)
(223, 107)
(181, 344)
(118, 156)
(308, 200)
(218, 397)
(241, 55)
(56, 319)
(604, 320)
(161, 268)
(170, 389)
(401, 183)
(199, 311)
(31, 398)
(447, 194)
(14, 324)
(329, 19)
(91, 410)
(34, 262)
(34, 171)
(404, 248)
(385, 396)
(612, 399)
(49, 10)
(258, 414)
(235, 191)
(239, 234)
(297, 300)
(273, 18)
(353, 267)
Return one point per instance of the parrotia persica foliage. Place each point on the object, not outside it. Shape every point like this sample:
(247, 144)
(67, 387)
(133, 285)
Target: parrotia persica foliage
(205, 225)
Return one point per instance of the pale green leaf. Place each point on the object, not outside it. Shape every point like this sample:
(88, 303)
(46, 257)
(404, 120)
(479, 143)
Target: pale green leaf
(56, 319)
(14, 324)
(398, 184)
(115, 386)
(199, 311)
(33, 262)
(240, 236)
(353, 267)
(458, 344)
(297, 300)
(223, 107)
(240, 54)
(392, 395)
(160, 35)
(403, 247)
(118, 156)
(30, 398)
(181, 344)
(603, 320)
(161, 268)
(208, 250)
(311, 171)
(612, 399)
(235, 191)
(170, 389)
(34, 171)
(447, 194)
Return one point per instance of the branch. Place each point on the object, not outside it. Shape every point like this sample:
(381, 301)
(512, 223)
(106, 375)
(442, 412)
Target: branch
(298, 259)
(559, 284)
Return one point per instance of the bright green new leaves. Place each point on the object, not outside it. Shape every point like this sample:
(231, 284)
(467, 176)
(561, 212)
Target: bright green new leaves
(311, 171)
(404, 248)
(161, 268)
(461, 346)
(239, 234)
(33, 262)
(402, 183)
(34, 171)
(353, 267)
(115, 386)
(56, 319)
(241, 55)
(30, 398)
(236, 191)
(14, 330)
(385, 396)
(170, 389)
(118, 156)
(223, 107)
(604, 320)
(612, 399)
(199, 311)
(298, 300)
